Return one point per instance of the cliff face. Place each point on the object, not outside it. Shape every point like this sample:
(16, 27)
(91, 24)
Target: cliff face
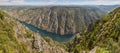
(16, 38)
(104, 34)
(59, 20)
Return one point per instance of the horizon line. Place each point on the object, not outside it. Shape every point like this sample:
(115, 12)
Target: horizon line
(61, 5)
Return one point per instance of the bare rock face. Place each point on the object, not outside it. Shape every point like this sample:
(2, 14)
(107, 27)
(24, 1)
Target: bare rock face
(59, 20)
(41, 45)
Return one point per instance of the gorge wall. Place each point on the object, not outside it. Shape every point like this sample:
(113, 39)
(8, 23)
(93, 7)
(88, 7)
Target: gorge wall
(59, 20)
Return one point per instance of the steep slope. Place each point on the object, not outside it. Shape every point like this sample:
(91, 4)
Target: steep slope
(58, 19)
(105, 35)
(16, 38)
(8, 42)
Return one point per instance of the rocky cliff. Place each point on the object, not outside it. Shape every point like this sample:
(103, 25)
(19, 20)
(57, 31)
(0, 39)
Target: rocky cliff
(59, 20)
(16, 38)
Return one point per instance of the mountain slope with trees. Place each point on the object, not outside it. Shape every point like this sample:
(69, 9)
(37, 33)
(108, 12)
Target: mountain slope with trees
(104, 34)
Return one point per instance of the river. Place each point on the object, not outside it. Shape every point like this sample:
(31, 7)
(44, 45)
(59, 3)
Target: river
(55, 37)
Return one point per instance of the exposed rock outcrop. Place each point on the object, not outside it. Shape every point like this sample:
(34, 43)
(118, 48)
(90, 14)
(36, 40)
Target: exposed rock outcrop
(59, 20)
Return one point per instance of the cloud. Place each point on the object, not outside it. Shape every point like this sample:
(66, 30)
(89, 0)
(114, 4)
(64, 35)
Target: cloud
(23, 2)
(11, 2)
(17, 1)
(59, 2)
(92, 2)
(3, 1)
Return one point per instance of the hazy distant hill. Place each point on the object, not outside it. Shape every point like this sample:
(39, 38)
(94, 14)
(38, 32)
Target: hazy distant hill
(108, 8)
(58, 19)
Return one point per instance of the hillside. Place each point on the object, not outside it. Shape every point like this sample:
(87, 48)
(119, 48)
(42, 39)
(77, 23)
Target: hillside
(16, 38)
(103, 36)
(95, 35)
(58, 19)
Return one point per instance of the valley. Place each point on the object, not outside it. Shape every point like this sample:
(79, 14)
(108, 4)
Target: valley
(60, 29)
(58, 19)
(56, 37)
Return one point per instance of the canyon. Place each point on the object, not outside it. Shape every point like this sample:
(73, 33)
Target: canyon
(59, 19)
(59, 29)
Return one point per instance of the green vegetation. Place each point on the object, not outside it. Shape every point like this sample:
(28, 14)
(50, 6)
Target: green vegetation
(104, 34)
(8, 42)
(102, 50)
(53, 43)
(15, 38)
(28, 34)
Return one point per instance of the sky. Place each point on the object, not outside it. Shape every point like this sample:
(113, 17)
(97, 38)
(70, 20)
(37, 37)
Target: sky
(59, 2)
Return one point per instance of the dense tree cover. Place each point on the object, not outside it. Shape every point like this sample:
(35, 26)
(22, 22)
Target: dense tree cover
(104, 34)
